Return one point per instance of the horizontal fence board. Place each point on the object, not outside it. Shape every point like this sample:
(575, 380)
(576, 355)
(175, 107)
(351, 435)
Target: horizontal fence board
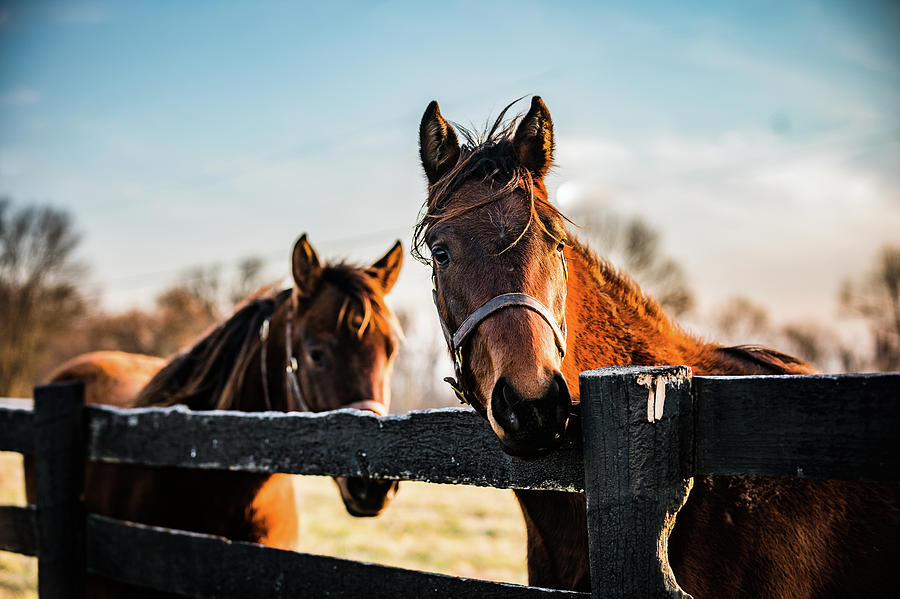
(206, 566)
(452, 445)
(839, 427)
(18, 529)
(16, 425)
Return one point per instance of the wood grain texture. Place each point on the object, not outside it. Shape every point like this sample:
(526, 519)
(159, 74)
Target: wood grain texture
(207, 566)
(18, 529)
(636, 424)
(837, 427)
(16, 425)
(59, 472)
(452, 446)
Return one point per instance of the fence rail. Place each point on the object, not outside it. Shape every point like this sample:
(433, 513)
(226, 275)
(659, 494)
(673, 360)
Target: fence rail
(646, 431)
(453, 446)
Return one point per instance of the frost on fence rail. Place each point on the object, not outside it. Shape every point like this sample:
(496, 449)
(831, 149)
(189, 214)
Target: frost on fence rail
(453, 445)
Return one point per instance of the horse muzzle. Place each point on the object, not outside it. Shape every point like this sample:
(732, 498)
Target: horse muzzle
(529, 427)
(366, 497)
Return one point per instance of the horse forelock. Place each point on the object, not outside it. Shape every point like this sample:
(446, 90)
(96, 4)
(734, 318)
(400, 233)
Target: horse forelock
(363, 305)
(489, 157)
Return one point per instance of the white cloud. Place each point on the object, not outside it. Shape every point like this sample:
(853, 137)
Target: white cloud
(747, 213)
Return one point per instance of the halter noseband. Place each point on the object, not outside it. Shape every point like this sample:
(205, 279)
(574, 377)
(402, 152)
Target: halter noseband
(455, 341)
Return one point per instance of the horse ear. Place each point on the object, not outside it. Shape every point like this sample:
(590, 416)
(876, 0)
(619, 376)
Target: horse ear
(387, 269)
(533, 141)
(305, 267)
(438, 145)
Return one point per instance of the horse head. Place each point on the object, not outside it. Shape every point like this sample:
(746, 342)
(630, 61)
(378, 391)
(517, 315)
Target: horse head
(341, 342)
(497, 250)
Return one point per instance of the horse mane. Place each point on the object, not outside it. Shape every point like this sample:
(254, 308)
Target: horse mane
(765, 360)
(202, 376)
(616, 282)
(488, 155)
(211, 374)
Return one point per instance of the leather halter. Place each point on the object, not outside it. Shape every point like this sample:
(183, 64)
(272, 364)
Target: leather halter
(456, 341)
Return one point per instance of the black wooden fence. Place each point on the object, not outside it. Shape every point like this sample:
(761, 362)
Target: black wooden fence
(646, 432)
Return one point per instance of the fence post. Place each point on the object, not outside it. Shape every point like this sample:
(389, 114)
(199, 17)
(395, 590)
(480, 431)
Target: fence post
(638, 453)
(59, 470)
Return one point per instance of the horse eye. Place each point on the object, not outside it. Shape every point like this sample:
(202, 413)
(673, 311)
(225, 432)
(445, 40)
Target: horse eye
(317, 357)
(441, 256)
(561, 245)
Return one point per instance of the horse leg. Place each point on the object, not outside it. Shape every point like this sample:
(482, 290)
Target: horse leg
(556, 523)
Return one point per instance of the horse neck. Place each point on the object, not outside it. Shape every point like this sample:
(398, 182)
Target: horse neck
(612, 323)
(222, 370)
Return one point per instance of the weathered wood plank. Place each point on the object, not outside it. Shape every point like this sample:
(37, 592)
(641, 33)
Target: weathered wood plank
(59, 471)
(206, 566)
(18, 529)
(637, 428)
(839, 427)
(16, 425)
(451, 446)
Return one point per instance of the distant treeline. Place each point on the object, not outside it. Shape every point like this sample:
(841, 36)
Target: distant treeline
(47, 314)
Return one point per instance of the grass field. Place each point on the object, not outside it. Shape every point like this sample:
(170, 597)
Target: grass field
(18, 574)
(458, 530)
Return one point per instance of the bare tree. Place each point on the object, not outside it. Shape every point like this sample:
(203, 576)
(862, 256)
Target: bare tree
(248, 279)
(420, 365)
(635, 246)
(740, 321)
(39, 297)
(876, 299)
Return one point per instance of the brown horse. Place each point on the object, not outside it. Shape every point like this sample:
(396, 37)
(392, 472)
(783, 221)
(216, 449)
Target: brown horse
(526, 308)
(324, 344)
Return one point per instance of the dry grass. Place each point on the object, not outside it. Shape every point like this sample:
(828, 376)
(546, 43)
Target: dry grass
(463, 531)
(18, 574)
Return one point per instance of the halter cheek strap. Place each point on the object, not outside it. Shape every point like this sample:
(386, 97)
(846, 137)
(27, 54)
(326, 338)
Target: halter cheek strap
(292, 381)
(292, 370)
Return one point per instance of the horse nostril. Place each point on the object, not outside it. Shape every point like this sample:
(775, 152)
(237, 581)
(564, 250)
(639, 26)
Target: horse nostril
(509, 395)
(502, 406)
(358, 488)
(562, 397)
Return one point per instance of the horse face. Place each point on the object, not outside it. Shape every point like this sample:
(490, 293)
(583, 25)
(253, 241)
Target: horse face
(344, 343)
(485, 243)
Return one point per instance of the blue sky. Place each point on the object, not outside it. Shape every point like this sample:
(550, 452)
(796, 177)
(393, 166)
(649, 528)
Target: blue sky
(761, 138)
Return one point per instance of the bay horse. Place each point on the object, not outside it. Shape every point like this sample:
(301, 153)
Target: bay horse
(326, 343)
(525, 307)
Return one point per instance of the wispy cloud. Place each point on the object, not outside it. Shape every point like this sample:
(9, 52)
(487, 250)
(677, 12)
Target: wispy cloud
(79, 13)
(859, 53)
(787, 220)
(797, 80)
(20, 96)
